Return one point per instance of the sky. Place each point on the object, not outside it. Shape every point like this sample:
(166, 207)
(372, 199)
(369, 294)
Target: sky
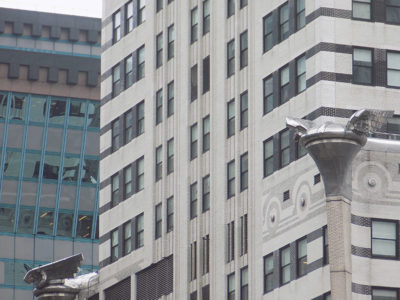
(89, 8)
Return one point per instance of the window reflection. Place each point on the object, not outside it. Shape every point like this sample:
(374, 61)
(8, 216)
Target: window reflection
(71, 167)
(12, 163)
(38, 109)
(32, 165)
(7, 219)
(25, 222)
(57, 111)
(77, 112)
(89, 171)
(3, 105)
(65, 221)
(18, 106)
(94, 114)
(51, 166)
(84, 226)
(45, 222)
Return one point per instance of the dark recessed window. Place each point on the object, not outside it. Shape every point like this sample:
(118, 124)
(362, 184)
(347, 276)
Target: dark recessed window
(393, 11)
(206, 134)
(159, 106)
(300, 14)
(244, 110)
(268, 273)
(268, 95)
(159, 50)
(384, 238)
(284, 22)
(362, 9)
(284, 139)
(206, 16)
(231, 179)
(268, 42)
(231, 118)
(194, 20)
(301, 257)
(284, 84)
(116, 26)
(129, 16)
(193, 83)
(230, 7)
(171, 42)
(362, 66)
(230, 58)
(268, 157)
(301, 74)
(141, 15)
(285, 265)
(393, 69)
(243, 50)
(193, 200)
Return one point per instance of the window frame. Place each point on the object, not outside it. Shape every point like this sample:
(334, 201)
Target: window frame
(159, 106)
(384, 289)
(389, 7)
(392, 69)
(158, 221)
(284, 87)
(114, 246)
(230, 118)
(158, 163)
(244, 110)
(230, 58)
(128, 126)
(230, 289)
(127, 241)
(206, 133)
(300, 15)
(140, 69)
(205, 192)
(244, 234)
(355, 2)
(129, 24)
(128, 170)
(283, 268)
(325, 245)
(116, 82)
(270, 97)
(206, 254)
(230, 179)
(243, 3)
(269, 158)
(159, 5)
(159, 50)
(301, 259)
(244, 287)
(230, 8)
(170, 214)
(206, 17)
(193, 261)
(115, 135)
(194, 25)
(206, 74)
(283, 23)
(117, 34)
(170, 156)
(115, 193)
(193, 83)
(140, 113)
(268, 38)
(139, 174)
(244, 49)
(360, 65)
(193, 197)
(244, 172)
(139, 232)
(129, 80)
(171, 42)
(396, 239)
(141, 13)
(170, 98)
(270, 274)
(284, 149)
(300, 76)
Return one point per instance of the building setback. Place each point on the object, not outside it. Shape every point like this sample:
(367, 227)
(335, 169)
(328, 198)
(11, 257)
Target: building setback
(205, 193)
(49, 143)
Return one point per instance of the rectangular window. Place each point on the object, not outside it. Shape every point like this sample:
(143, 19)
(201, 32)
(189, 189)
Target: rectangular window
(206, 134)
(128, 182)
(159, 106)
(127, 238)
(393, 68)
(284, 140)
(129, 17)
(140, 63)
(230, 58)
(285, 265)
(159, 5)
(244, 170)
(115, 132)
(139, 224)
(231, 118)
(193, 83)
(193, 200)
(140, 118)
(268, 94)
(301, 74)
(325, 245)
(206, 193)
(193, 261)
(393, 11)
(116, 80)
(193, 141)
(115, 189)
(158, 221)
(244, 119)
(170, 214)
(158, 169)
(114, 245)
(268, 157)
(244, 284)
(206, 74)
(384, 294)
(230, 5)
(362, 9)
(301, 257)
(268, 273)
(284, 84)
(243, 235)
(159, 50)
(231, 286)
(116, 26)
(170, 100)
(243, 50)
(268, 41)
(128, 127)
(231, 179)
(362, 66)
(384, 238)
(128, 71)
(206, 254)
(243, 3)
(230, 232)
(141, 15)
(206, 16)
(171, 42)
(300, 14)
(193, 296)
(170, 156)
(194, 24)
(140, 174)
(284, 22)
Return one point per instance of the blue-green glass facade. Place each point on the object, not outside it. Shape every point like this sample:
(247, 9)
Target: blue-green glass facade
(49, 157)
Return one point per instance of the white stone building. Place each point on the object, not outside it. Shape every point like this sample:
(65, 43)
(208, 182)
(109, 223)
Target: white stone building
(205, 194)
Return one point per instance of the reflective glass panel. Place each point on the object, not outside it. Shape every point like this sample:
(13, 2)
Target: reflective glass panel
(3, 105)
(94, 114)
(38, 109)
(26, 220)
(77, 111)
(12, 163)
(64, 226)
(71, 167)
(45, 222)
(7, 219)
(18, 107)
(84, 226)
(67, 196)
(32, 165)
(51, 166)
(90, 170)
(57, 111)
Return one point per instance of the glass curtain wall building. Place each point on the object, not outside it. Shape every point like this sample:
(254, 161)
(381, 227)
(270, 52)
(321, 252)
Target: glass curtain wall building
(49, 143)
